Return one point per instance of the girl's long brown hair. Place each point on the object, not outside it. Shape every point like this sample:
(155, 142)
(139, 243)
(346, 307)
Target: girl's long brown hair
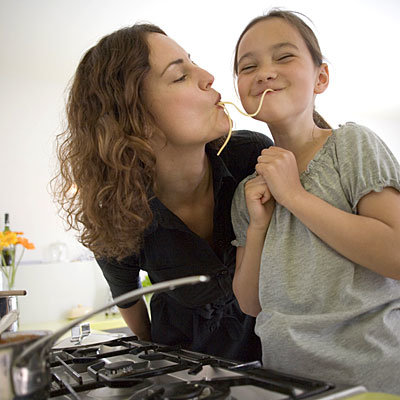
(106, 164)
(306, 33)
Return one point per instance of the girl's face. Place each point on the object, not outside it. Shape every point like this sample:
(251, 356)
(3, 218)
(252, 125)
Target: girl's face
(180, 96)
(273, 55)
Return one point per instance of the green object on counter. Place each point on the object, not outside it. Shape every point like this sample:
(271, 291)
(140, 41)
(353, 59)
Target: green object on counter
(374, 396)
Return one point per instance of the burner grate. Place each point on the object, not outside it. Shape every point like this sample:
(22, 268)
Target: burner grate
(127, 368)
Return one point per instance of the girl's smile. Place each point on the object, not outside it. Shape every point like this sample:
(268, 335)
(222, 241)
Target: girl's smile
(273, 55)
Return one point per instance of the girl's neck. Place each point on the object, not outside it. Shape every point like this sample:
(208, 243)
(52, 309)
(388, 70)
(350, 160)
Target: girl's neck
(303, 140)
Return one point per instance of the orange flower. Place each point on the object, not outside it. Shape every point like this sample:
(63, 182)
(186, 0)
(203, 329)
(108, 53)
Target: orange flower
(25, 242)
(9, 241)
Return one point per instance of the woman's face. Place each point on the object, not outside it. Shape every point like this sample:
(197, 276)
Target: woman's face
(180, 96)
(273, 55)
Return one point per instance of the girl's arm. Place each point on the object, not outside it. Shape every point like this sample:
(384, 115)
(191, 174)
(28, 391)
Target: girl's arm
(370, 239)
(245, 282)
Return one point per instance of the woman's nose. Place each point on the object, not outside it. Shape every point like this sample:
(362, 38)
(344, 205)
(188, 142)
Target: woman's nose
(206, 80)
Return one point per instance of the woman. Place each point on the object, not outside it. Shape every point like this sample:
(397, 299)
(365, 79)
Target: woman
(151, 193)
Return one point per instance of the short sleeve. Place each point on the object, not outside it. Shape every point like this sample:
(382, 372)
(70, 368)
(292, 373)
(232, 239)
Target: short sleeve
(122, 277)
(239, 214)
(365, 163)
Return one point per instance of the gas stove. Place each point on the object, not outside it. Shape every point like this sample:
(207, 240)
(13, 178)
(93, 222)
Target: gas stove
(128, 368)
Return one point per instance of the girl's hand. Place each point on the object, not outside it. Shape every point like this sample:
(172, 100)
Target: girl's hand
(257, 196)
(278, 167)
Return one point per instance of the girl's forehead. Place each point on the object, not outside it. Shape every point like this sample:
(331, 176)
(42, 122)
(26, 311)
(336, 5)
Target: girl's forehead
(267, 33)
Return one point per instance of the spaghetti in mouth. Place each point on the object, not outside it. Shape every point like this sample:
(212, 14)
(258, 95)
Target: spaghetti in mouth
(224, 103)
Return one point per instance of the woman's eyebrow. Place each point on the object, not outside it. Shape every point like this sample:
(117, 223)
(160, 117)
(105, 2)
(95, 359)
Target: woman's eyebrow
(276, 46)
(175, 62)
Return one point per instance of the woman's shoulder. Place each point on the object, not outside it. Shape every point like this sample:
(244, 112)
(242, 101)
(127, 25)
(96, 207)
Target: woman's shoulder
(241, 153)
(245, 145)
(245, 138)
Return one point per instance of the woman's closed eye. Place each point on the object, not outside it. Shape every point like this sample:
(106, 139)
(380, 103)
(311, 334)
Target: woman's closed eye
(181, 79)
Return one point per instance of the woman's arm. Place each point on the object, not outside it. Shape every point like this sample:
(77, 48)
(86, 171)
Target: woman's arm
(245, 282)
(370, 239)
(137, 319)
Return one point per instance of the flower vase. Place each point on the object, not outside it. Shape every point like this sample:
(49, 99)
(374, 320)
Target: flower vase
(7, 303)
(5, 283)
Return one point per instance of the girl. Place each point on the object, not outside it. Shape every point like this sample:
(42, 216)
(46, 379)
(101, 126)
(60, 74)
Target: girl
(318, 257)
(150, 192)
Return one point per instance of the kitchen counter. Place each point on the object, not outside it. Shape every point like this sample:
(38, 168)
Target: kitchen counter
(98, 322)
(374, 396)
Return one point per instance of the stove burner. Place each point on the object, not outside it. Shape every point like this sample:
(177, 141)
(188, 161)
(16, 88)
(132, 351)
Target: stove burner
(107, 393)
(130, 369)
(184, 391)
(123, 368)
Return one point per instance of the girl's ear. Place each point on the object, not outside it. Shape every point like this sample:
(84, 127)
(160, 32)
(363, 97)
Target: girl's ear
(322, 80)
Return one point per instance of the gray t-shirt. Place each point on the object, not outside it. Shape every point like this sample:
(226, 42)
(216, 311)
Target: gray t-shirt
(323, 315)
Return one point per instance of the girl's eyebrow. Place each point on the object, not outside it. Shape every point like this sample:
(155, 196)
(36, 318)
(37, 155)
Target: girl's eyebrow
(284, 44)
(276, 46)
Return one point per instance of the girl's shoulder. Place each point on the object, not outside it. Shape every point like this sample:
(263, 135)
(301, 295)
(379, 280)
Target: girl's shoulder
(352, 138)
(351, 131)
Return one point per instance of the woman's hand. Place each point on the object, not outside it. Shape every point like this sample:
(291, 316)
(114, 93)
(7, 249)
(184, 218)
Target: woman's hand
(257, 195)
(278, 168)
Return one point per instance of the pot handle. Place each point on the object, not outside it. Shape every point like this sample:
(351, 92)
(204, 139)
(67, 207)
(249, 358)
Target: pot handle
(8, 293)
(43, 344)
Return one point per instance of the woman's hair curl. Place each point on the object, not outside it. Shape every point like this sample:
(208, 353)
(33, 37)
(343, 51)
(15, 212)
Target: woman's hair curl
(106, 164)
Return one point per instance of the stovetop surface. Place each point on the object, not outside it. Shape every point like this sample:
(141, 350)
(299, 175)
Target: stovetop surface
(128, 368)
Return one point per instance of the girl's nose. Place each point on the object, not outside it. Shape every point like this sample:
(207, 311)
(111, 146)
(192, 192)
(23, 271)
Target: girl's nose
(206, 80)
(266, 74)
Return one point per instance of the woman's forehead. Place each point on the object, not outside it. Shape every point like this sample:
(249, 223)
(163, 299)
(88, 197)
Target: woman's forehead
(163, 50)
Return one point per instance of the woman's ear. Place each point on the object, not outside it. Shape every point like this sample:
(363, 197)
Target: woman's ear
(322, 80)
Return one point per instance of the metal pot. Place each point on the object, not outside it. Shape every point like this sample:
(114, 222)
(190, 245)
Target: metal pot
(9, 302)
(12, 344)
(24, 367)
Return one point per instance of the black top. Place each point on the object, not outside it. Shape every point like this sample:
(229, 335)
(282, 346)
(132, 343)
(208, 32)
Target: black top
(205, 317)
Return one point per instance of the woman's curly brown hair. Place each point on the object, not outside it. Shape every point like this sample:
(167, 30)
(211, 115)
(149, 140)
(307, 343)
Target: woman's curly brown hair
(106, 164)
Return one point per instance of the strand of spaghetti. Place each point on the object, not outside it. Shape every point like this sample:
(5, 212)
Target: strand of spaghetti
(229, 133)
(223, 103)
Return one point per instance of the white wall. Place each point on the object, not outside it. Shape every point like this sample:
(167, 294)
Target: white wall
(72, 284)
(41, 42)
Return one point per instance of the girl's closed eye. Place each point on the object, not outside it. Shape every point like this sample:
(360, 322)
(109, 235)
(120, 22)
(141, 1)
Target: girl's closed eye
(247, 68)
(285, 57)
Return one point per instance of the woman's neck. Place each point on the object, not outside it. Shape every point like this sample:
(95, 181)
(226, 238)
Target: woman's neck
(182, 176)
